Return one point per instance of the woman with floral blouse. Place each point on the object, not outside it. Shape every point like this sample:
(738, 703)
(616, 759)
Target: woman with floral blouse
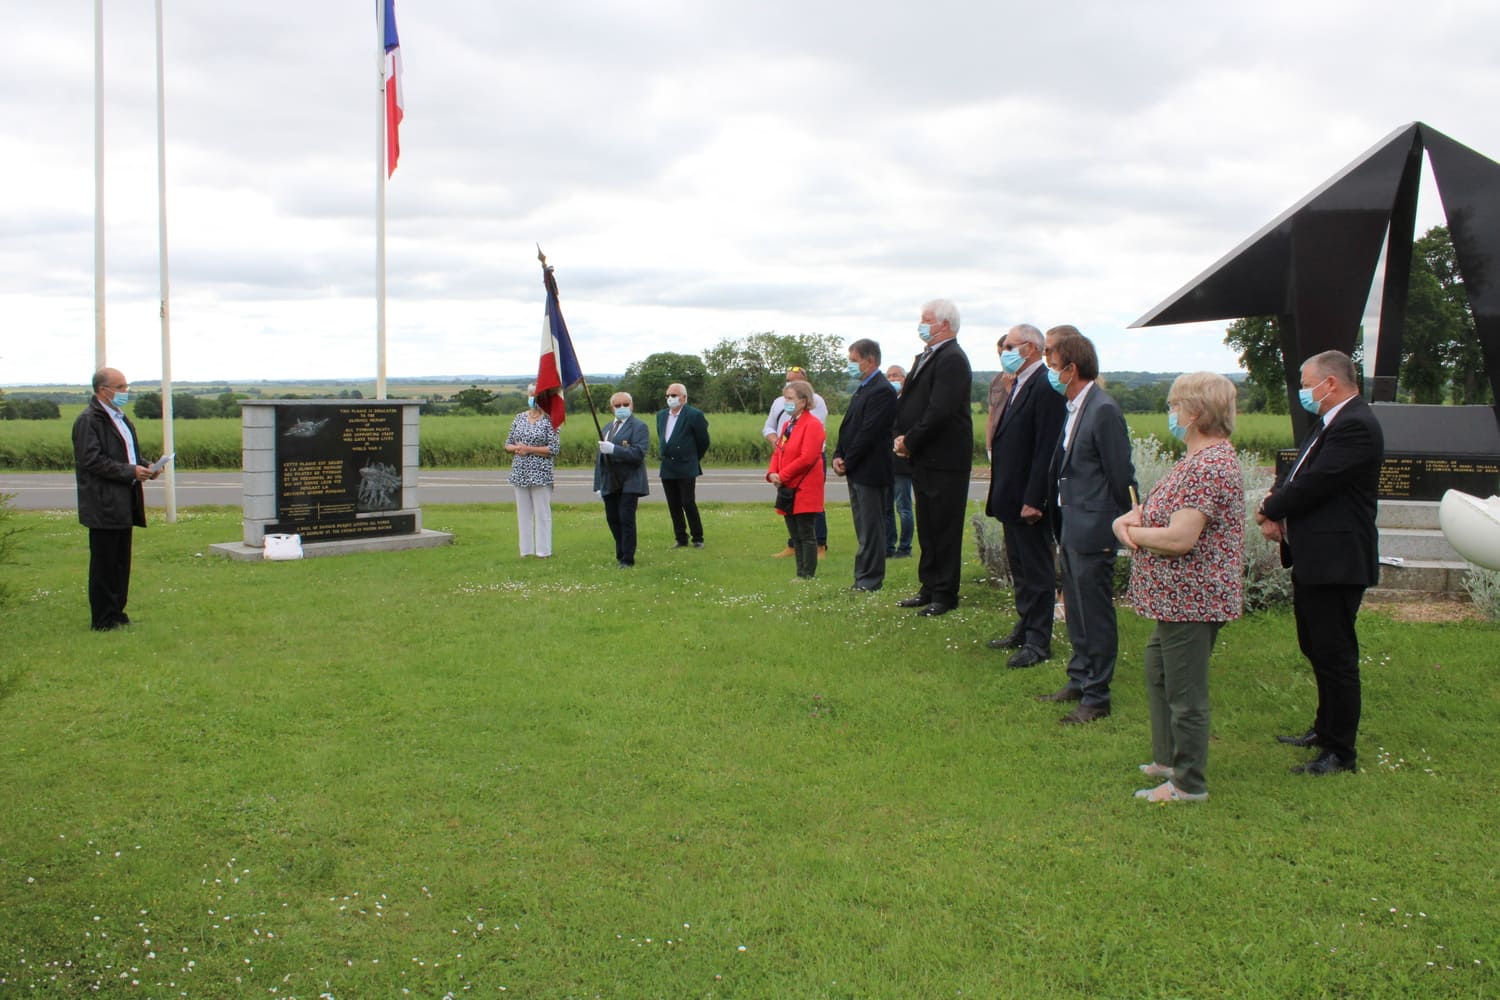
(1187, 548)
(534, 442)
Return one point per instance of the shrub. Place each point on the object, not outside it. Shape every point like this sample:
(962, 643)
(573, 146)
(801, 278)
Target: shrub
(1483, 586)
(8, 533)
(990, 539)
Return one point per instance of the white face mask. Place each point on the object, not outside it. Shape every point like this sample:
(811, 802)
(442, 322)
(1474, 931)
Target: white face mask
(674, 402)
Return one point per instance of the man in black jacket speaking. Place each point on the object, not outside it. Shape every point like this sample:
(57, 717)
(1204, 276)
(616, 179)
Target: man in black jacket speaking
(111, 500)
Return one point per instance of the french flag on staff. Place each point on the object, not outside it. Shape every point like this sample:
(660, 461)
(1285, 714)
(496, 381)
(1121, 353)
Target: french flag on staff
(393, 96)
(558, 371)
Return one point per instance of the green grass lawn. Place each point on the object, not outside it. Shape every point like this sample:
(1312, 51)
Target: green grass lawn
(450, 772)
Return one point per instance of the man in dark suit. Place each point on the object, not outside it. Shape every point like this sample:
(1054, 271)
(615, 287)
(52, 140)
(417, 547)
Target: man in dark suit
(620, 474)
(1022, 491)
(1094, 476)
(111, 501)
(863, 456)
(1322, 511)
(682, 438)
(900, 522)
(935, 430)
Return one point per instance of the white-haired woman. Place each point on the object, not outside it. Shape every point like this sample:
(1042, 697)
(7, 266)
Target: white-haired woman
(535, 443)
(1187, 547)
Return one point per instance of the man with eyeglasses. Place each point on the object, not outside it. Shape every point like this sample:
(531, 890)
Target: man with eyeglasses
(682, 438)
(111, 500)
(1025, 424)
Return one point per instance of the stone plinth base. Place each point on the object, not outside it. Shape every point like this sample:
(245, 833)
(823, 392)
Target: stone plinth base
(423, 539)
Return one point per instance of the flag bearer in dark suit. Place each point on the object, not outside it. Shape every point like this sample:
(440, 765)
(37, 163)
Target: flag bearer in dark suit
(864, 457)
(620, 474)
(1323, 514)
(1022, 491)
(682, 439)
(935, 429)
(1094, 475)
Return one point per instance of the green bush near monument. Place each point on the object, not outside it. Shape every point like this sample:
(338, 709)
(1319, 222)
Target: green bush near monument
(449, 771)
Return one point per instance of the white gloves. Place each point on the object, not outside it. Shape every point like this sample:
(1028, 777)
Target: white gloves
(606, 447)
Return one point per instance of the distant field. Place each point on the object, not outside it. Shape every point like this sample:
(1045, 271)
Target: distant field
(470, 442)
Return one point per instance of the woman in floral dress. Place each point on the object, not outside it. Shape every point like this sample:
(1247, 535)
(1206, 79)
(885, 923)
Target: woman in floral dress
(535, 443)
(1186, 571)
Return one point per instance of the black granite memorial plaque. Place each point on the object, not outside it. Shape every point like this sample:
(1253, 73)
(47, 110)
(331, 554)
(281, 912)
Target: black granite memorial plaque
(335, 467)
(1425, 477)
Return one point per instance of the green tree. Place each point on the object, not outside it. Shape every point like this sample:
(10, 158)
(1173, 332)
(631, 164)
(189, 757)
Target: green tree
(147, 406)
(35, 409)
(186, 406)
(1258, 339)
(474, 398)
(1431, 327)
(647, 380)
(229, 404)
(1444, 320)
(744, 375)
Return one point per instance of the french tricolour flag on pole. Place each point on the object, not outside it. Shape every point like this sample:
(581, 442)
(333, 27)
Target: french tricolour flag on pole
(558, 369)
(393, 96)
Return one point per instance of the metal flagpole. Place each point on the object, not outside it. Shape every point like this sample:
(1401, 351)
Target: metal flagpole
(380, 140)
(99, 353)
(551, 282)
(167, 436)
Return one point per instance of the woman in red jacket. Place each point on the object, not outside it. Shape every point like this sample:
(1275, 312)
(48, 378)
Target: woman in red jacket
(797, 463)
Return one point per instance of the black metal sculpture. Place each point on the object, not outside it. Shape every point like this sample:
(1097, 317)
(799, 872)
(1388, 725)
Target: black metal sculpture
(1312, 266)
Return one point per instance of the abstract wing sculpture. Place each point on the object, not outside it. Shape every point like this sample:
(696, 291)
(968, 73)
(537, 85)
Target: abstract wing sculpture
(1472, 527)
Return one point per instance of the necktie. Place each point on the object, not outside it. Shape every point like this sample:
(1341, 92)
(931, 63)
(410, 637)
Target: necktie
(1312, 438)
(921, 360)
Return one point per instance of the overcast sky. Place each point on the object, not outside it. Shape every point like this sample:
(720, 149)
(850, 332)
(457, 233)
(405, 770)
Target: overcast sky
(694, 170)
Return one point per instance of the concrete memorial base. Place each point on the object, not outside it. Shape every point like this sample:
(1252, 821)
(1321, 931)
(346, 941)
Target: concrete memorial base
(423, 539)
(340, 474)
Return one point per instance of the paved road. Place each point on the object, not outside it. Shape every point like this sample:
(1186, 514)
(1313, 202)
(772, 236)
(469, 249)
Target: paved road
(56, 490)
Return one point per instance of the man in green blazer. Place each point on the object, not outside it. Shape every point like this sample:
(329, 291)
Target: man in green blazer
(682, 436)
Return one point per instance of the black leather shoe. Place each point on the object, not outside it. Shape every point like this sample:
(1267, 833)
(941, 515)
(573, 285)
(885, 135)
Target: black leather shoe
(1027, 656)
(1015, 640)
(1326, 762)
(680, 545)
(1307, 739)
(934, 609)
(912, 602)
(1084, 714)
(1062, 695)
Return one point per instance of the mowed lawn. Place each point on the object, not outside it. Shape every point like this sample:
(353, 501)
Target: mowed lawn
(450, 772)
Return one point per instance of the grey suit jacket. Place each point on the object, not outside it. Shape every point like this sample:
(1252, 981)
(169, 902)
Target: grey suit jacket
(1094, 474)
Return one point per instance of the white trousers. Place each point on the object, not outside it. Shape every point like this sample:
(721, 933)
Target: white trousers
(534, 518)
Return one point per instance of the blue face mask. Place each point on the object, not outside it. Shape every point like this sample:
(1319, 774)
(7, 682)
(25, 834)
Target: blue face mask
(1178, 431)
(896, 384)
(854, 371)
(1305, 397)
(924, 330)
(121, 398)
(1011, 360)
(531, 402)
(1055, 382)
(622, 413)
